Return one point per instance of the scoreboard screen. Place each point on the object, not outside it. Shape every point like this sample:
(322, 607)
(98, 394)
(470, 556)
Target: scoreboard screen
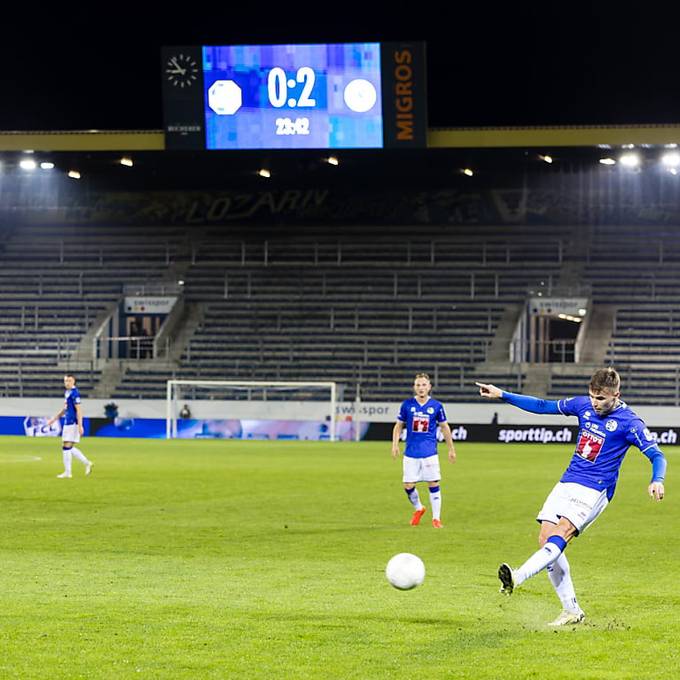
(323, 96)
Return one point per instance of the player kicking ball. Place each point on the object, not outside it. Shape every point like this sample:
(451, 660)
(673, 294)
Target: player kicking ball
(73, 428)
(421, 415)
(607, 427)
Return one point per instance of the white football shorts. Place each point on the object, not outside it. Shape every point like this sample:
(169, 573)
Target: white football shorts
(70, 433)
(579, 504)
(422, 469)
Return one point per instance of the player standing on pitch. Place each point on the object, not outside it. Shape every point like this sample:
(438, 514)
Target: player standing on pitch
(73, 427)
(607, 427)
(421, 415)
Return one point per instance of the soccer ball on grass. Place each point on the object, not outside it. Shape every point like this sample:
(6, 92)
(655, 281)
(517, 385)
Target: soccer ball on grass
(405, 571)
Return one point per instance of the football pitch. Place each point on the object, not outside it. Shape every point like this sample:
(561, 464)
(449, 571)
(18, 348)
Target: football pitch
(228, 559)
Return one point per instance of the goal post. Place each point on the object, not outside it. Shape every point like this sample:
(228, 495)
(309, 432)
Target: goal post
(235, 393)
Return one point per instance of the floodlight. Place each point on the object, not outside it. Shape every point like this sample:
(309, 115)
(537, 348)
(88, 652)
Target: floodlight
(630, 160)
(671, 159)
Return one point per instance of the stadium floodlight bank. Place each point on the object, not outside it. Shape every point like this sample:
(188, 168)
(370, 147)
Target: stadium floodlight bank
(318, 399)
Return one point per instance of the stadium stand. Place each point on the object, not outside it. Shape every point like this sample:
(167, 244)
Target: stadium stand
(372, 312)
(74, 276)
(635, 271)
(357, 309)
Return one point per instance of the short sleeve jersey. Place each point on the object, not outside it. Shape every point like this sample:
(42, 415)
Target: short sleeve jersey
(421, 422)
(71, 398)
(602, 443)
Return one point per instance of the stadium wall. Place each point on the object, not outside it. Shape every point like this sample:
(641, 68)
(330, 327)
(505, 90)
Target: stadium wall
(370, 412)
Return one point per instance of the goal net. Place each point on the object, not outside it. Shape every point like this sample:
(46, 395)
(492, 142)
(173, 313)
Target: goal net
(228, 409)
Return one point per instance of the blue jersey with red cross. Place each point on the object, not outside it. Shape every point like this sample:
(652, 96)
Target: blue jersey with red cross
(421, 422)
(602, 443)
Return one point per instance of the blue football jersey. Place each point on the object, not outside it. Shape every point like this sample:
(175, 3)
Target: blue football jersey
(71, 398)
(421, 422)
(602, 443)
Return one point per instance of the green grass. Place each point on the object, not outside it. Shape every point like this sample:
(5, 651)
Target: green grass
(266, 560)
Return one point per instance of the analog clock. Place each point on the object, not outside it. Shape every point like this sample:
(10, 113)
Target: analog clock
(181, 70)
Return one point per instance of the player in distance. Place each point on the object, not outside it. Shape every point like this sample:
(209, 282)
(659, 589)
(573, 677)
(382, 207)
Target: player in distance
(421, 415)
(73, 427)
(607, 428)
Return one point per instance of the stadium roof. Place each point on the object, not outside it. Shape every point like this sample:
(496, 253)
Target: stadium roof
(442, 138)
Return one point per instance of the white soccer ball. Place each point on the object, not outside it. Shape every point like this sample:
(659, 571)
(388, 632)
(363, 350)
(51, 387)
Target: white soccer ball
(405, 571)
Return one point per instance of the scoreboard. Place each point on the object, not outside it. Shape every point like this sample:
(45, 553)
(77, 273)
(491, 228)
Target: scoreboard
(321, 96)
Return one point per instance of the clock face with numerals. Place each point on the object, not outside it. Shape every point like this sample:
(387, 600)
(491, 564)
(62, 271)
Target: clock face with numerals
(181, 70)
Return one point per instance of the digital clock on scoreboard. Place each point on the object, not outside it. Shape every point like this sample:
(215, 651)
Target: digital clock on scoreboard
(335, 96)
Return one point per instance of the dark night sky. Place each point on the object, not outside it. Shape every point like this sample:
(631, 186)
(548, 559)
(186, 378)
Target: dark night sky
(565, 64)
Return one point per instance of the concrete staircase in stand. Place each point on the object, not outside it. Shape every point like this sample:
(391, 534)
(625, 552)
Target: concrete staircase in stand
(498, 351)
(84, 353)
(537, 380)
(598, 334)
(192, 318)
(112, 373)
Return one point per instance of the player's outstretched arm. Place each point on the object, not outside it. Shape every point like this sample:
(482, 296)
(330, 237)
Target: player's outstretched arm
(489, 391)
(526, 403)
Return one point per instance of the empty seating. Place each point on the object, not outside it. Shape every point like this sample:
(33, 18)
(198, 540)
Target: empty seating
(358, 309)
(53, 285)
(355, 311)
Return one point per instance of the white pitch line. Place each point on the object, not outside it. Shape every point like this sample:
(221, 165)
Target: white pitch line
(21, 459)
